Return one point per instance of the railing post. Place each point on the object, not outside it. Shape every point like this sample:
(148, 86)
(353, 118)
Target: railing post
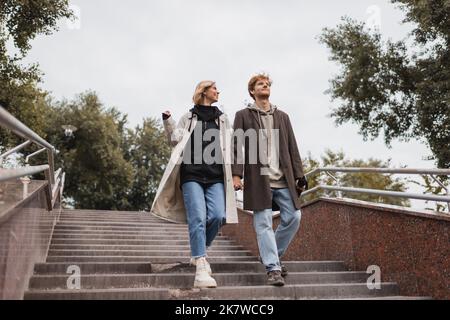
(25, 181)
(48, 190)
(1, 196)
(51, 164)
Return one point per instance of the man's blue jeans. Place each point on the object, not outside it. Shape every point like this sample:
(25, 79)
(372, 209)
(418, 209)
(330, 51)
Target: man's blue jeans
(272, 245)
(205, 206)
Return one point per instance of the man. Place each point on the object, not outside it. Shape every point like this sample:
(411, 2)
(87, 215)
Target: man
(275, 180)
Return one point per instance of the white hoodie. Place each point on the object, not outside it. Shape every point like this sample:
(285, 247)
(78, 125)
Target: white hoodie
(265, 120)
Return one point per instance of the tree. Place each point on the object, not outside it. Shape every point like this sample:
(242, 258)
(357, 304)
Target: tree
(356, 180)
(148, 152)
(21, 22)
(433, 187)
(108, 166)
(384, 87)
(98, 175)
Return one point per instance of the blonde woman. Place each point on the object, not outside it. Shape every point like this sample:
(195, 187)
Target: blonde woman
(197, 185)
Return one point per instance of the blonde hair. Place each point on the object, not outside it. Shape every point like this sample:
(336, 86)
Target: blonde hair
(200, 90)
(255, 79)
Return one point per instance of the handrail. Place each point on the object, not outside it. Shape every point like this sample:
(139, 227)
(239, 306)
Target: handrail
(14, 150)
(381, 170)
(431, 172)
(28, 157)
(8, 174)
(397, 194)
(8, 121)
(54, 179)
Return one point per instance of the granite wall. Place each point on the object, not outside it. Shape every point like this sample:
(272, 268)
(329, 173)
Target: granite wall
(412, 248)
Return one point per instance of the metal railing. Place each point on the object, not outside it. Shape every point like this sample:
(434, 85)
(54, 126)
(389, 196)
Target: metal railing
(433, 173)
(55, 179)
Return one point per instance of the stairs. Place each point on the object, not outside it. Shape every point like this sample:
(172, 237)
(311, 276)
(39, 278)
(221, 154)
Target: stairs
(132, 255)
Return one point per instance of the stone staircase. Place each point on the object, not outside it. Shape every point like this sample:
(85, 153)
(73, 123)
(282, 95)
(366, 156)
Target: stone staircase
(132, 255)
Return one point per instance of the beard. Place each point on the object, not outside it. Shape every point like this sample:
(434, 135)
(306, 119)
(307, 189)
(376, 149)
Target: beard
(263, 96)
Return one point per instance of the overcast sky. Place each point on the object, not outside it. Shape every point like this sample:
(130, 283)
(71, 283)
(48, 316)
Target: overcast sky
(144, 57)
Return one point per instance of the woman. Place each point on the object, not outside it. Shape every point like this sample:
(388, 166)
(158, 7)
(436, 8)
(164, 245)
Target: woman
(195, 189)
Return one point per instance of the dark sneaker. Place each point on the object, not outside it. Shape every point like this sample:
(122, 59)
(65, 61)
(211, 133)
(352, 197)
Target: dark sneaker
(284, 271)
(274, 278)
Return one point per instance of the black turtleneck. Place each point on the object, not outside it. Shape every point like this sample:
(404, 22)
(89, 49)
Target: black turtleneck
(206, 113)
(203, 173)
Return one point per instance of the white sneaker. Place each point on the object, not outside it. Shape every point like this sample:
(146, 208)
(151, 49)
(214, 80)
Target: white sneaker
(202, 277)
(192, 262)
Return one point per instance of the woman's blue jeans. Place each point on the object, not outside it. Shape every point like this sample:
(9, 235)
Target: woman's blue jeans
(205, 210)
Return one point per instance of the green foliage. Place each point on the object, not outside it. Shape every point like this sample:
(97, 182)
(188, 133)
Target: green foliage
(356, 180)
(30, 105)
(432, 187)
(97, 174)
(24, 20)
(148, 152)
(383, 87)
(107, 165)
(20, 22)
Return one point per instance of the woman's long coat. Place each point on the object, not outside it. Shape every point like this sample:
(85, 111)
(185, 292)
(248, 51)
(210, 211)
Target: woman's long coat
(168, 203)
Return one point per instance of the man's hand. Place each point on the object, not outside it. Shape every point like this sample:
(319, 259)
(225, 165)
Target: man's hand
(301, 185)
(237, 183)
(166, 115)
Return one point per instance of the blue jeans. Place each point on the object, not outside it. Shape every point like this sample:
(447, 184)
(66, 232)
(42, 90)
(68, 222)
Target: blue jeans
(205, 210)
(272, 245)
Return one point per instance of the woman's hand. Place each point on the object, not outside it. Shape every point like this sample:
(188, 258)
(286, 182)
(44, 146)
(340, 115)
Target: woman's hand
(166, 115)
(237, 183)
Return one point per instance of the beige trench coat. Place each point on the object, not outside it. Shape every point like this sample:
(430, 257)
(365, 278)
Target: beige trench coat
(168, 203)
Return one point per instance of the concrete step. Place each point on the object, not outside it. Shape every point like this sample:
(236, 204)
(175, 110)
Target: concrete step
(297, 292)
(93, 268)
(115, 220)
(160, 231)
(388, 298)
(125, 220)
(123, 232)
(102, 294)
(121, 247)
(109, 215)
(118, 220)
(129, 236)
(147, 259)
(218, 267)
(307, 291)
(93, 229)
(169, 242)
(167, 253)
(186, 280)
(119, 224)
(105, 212)
(254, 266)
(123, 223)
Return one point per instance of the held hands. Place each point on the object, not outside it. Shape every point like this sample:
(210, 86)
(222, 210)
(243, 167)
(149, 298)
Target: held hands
(237, 183)
(166, 115)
